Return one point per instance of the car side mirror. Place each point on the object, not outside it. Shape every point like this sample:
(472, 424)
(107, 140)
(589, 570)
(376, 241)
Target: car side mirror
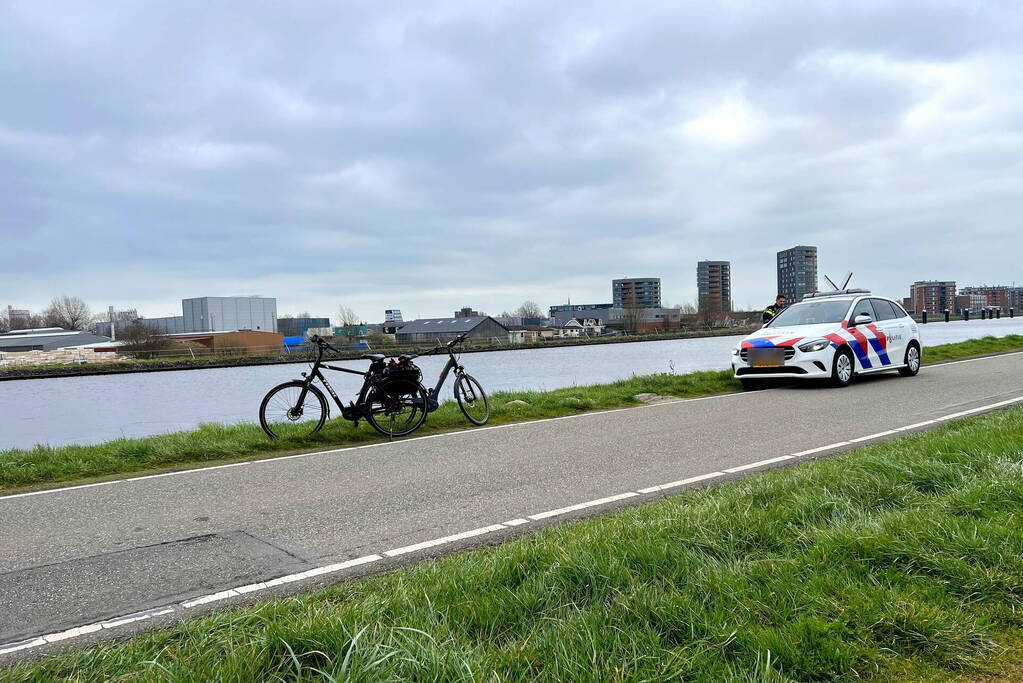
(862, 319)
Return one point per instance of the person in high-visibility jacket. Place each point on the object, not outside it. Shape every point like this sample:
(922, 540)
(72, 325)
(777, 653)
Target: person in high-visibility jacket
(774, 309)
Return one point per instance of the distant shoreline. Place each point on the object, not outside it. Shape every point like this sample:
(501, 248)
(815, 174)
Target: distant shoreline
(128, 367)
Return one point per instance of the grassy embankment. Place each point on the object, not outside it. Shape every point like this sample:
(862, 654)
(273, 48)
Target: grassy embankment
(216, 443)
(901, 561)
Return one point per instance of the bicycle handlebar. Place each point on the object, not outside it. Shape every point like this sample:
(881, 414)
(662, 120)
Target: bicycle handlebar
(323, 343)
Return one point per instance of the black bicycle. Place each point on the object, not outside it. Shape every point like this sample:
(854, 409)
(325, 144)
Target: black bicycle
(471, 398)
(392, 399)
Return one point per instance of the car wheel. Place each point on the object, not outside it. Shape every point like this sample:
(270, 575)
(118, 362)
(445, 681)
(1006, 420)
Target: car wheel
(912, 361)
(842, 368)
(752, 384)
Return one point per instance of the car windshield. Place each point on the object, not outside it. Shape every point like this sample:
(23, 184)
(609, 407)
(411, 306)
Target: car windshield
(812, 313)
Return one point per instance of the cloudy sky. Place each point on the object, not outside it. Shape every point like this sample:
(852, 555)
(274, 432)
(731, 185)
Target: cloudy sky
(428, 155)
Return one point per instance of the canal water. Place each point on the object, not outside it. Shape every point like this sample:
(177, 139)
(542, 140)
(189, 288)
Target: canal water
(100, 408)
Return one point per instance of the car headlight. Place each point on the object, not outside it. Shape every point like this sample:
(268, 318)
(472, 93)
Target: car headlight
(817, 345)
(735, 351)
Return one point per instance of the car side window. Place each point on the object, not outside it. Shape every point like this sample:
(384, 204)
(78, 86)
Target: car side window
(883, 309)
(900, 312)
(863, 306)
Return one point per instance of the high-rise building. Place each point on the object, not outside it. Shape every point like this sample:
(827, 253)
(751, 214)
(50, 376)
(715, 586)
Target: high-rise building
(714, 285)
(636, 292)
(467, 312)
(797, 272)
(933, 296)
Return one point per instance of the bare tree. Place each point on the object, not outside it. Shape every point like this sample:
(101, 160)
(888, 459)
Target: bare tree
(688, 308)
(5, 321)
(68, 312)
(348, 320)
(529, 309)
(144, 341)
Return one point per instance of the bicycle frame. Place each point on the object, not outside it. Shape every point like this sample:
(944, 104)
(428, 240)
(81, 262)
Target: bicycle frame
(353, 412)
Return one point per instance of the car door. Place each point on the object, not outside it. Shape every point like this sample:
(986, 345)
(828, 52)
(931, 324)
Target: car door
(861, 335)
(888, 340)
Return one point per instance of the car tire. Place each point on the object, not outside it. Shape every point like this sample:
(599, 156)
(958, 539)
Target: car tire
(912, 361)
(752, 384)
(842, 368)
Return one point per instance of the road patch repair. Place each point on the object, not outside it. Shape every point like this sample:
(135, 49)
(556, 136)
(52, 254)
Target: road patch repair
(215, 560)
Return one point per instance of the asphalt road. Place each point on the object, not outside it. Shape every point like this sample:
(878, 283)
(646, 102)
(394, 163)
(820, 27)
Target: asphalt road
(77, 556)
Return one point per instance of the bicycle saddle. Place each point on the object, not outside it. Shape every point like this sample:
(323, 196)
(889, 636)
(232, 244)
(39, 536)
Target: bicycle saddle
(373, 356)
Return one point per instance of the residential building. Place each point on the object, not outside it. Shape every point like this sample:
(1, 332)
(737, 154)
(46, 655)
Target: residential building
(999, 296)
(578, 307)
(636, 292)
(714, 286)
(970, 302)
(933, 296)
(440, 330)
(601, 313)
(797, 272)
(299, 327)
(579, 327)
(468, 313)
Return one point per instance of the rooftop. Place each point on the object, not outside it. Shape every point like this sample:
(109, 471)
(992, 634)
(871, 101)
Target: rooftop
(425, 325)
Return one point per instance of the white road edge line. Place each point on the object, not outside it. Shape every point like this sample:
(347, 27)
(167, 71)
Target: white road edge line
(8, 648)
(430, 436)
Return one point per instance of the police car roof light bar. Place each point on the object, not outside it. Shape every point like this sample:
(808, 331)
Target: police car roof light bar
(835, 292)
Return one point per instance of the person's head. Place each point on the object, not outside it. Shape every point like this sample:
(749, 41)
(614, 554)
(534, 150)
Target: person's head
(780, 300)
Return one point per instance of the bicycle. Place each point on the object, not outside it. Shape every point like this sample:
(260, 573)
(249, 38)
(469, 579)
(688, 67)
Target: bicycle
(392, 400)
(469, 394)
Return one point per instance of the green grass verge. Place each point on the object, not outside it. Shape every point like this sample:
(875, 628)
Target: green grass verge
(216, 443)
(974, 347)
(899, 561)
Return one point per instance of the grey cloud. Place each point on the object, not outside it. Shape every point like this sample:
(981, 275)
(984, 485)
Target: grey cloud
(453, 153)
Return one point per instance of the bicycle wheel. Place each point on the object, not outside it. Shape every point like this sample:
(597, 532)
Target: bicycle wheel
(281, 416)
(472, 399)
(397, 407)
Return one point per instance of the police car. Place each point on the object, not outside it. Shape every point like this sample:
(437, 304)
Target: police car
(831, 335)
